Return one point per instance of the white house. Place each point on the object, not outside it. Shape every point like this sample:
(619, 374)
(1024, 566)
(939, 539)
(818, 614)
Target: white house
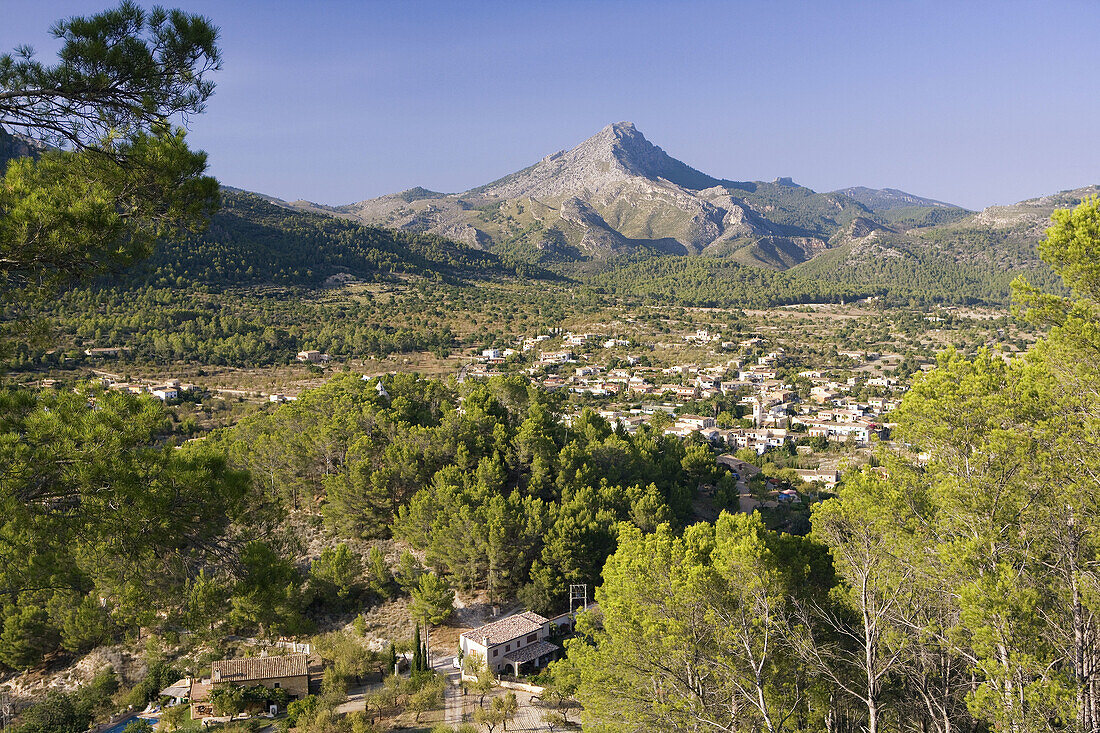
(166, 393)
(828, 478)
(696, 422)
(854, 432)
(107, 351)
(512, 642)
(555, 357)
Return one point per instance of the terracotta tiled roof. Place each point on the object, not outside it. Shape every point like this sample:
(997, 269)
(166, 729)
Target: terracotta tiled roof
(260, 668)
(531, 652)
(506, 629)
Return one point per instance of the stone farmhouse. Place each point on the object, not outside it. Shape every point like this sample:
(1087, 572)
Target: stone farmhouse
(289, 672)
(512, 642)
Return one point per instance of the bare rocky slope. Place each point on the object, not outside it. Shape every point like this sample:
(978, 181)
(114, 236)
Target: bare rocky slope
(14, 145)
(1032, 214)
(616, 193)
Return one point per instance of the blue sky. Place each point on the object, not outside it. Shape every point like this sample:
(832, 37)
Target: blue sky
(974, 103)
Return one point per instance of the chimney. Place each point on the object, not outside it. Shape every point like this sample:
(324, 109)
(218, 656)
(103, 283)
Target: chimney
(485, 642)
(217, 675)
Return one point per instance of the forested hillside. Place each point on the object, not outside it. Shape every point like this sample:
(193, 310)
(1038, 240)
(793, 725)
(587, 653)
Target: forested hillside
(241, 327)
(264, 282)
(707, 281)
(899, 275)
(251, 241)
(950, 588)
(252, 244)
(485, 479)
(932, 267)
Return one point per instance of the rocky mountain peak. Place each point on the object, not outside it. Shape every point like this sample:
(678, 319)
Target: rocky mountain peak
(616, 192)
(623, 131)
(623, 146)
(616, 153)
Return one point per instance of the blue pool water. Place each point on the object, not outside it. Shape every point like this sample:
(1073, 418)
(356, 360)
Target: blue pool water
(121, 725)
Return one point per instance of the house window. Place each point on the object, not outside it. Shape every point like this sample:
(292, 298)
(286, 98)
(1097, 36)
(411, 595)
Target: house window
(495, 652)
(276, 685)
(507, 647)
(532, 637)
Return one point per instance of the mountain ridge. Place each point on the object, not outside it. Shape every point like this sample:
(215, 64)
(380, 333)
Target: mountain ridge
(617, 192)
(613, 206)
(883, 199)
(616, 200)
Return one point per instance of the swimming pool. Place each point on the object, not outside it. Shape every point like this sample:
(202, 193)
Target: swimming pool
(121, 725)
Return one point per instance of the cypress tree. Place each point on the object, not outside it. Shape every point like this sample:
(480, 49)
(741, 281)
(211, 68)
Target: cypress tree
(393, 658)
(418, 659)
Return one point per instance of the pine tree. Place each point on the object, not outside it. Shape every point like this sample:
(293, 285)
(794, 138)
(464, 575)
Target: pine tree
(124, 177)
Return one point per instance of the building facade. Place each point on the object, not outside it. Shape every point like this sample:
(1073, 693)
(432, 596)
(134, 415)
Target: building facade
(289, 672)
(511, 643)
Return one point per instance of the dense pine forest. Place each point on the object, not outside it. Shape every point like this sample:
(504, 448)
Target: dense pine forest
(251, 241)
(485, 481)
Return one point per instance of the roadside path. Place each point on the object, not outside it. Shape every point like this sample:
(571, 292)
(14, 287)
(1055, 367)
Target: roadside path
(452, 700)
(452, 693)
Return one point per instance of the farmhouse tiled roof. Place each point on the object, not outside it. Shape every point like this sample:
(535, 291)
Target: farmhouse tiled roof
(260, 668)
(506, 629)
(531, 652)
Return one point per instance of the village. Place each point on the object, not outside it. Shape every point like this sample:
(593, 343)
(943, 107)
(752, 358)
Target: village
(746, 394)
(740, 395)
(755, 405)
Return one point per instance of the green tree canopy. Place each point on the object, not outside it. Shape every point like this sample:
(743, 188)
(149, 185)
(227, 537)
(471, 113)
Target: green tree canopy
(118, 176)
(121, 71)
(432, 600)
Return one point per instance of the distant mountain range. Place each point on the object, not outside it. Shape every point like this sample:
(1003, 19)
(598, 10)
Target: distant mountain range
(887, 199)
(618, 193)
(616, 199)
(607, 210)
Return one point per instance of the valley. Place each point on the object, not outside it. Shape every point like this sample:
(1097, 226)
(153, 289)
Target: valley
(606, 443)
